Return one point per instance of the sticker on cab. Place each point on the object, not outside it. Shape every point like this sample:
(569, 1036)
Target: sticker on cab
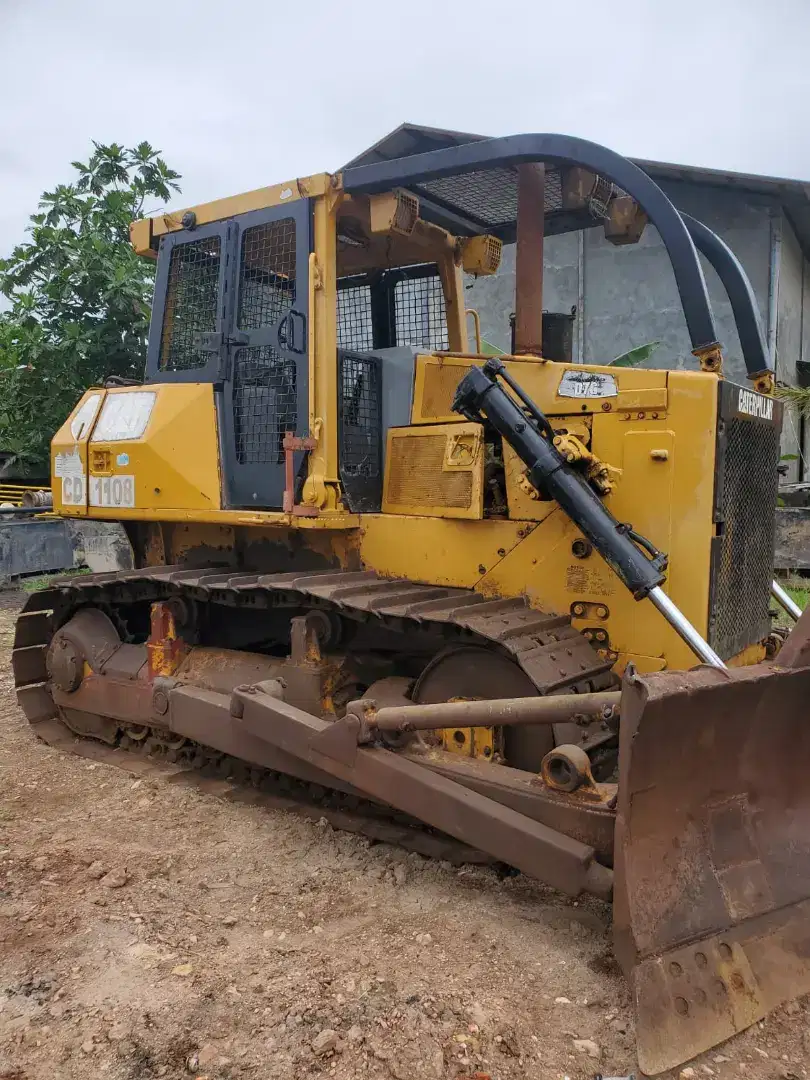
(586, 384)
(68, 464)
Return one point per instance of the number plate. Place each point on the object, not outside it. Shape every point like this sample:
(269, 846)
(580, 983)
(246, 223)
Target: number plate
(586, 384)
(112, 491)
(74, 490)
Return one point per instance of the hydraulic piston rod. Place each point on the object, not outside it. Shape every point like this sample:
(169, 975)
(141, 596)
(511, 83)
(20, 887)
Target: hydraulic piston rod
(553, 709)
(782, 598)
(678, 621)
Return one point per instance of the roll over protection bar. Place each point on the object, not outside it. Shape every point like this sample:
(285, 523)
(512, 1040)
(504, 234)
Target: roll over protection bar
(563, 150)
(740, 294)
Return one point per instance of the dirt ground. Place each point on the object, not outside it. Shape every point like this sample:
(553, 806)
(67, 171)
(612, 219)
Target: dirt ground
(148, 929)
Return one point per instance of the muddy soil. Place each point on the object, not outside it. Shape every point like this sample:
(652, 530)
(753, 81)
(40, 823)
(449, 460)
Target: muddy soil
(148, 929)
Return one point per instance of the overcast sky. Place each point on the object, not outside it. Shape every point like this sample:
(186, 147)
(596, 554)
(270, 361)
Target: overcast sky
(241, 93)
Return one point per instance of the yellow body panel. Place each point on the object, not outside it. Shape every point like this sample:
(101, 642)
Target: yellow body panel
(664, 455)
(657, 429)
(437, 551)
(145, 233)
(175, 463)
(438, 376)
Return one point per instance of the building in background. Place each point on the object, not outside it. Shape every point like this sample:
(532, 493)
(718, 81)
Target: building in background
(626, 296)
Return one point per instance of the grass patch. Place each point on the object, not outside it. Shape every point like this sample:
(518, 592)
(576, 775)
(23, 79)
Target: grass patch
(41, 581)
(798, 594)
(798, 589)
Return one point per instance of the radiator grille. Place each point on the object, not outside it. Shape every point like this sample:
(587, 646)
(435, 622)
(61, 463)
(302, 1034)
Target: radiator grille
(743, 558)
(192, 296)
(441, 381)
(264, 404)
(415, 476)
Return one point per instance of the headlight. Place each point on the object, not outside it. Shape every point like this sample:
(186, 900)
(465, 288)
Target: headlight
(124, 416)
(85, 415)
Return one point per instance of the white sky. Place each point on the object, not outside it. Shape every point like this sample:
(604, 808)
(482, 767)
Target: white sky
(241, 93)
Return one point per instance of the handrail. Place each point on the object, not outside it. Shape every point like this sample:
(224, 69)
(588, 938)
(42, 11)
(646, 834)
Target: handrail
(476, 318)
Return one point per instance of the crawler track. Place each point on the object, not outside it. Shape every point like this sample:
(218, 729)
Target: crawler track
(553, 655)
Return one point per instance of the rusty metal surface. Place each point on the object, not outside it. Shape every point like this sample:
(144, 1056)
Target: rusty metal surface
(126, 692)
(589, 822)
(529, 259)
(500, 711)
(473, 818)
(712, 852)
(795, 653)
(552, 653)
(212, 668)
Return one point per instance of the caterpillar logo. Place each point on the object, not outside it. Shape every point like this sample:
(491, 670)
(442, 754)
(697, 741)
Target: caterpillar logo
(755, 405)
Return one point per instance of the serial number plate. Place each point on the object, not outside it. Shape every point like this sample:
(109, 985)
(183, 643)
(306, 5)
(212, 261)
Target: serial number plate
(112, 491)
(586, 384)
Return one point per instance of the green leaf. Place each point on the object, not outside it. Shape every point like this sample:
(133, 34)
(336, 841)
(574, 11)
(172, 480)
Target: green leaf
(640, 355)
(797, 397)
(488, 349)
(789, 457)
(78, 297)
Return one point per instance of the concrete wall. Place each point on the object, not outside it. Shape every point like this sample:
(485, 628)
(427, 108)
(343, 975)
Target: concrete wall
(790, 298)
(626, 296)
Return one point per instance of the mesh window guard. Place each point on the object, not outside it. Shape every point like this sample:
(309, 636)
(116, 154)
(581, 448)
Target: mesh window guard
(264, 404)
(360, 430)
(354, 329)
(192, 296)
(360, 409)
(419, 313)
(266, 274)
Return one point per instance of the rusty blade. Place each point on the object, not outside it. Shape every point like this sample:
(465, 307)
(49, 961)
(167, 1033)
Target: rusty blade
(712, 859)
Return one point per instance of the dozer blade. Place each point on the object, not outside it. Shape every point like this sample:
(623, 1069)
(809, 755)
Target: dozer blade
(712, 853)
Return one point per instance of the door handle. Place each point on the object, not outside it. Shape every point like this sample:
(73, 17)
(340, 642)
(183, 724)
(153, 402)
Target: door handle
(292, 332)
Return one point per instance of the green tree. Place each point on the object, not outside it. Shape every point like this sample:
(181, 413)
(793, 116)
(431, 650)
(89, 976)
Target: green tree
(78, 295)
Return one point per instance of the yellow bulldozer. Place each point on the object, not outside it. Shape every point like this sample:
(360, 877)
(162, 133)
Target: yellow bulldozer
(513, 600)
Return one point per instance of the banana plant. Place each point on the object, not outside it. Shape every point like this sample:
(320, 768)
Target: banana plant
(633, 357)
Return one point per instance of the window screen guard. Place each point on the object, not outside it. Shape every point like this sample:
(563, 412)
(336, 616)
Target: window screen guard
(186, 337)
(404, 306)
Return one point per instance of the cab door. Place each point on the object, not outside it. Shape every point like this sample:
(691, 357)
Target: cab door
(187, 336)
(265, 391)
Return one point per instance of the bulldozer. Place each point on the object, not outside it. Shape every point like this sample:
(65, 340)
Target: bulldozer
(520, 601)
